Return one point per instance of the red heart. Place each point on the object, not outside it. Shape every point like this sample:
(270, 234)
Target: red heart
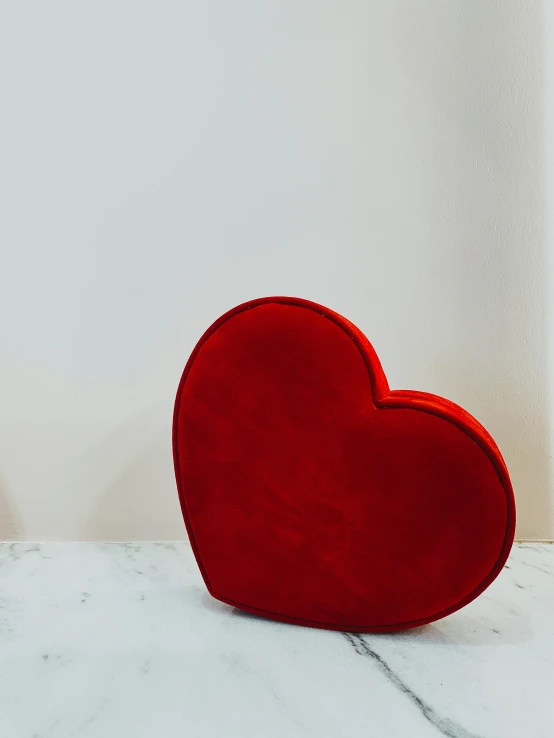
(314, 495)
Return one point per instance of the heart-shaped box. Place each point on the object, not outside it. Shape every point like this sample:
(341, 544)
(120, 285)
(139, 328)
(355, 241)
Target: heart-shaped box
(314, 495)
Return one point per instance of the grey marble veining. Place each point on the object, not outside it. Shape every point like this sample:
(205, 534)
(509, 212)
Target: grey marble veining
(121, 640)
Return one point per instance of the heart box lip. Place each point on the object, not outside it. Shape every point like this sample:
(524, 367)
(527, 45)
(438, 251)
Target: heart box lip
(385, 399)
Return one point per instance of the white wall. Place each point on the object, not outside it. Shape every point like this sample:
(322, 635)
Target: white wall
(163, 161)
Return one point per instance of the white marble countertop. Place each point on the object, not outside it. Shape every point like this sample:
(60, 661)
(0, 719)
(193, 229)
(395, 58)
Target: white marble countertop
(122, 640)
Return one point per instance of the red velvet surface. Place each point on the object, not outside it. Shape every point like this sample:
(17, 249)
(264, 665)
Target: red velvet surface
(315, 495)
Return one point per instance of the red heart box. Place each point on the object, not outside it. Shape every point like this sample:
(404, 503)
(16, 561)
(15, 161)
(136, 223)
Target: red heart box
(314, 495)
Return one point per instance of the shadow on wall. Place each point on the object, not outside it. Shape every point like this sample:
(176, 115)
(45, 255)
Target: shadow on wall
(10, 524)
(138, 500)
(508, 247)
(481, 73)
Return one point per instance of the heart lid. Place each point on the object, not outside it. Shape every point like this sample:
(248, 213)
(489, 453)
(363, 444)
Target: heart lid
(315, 495)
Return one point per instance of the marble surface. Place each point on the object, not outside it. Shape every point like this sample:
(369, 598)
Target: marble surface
(121, 640)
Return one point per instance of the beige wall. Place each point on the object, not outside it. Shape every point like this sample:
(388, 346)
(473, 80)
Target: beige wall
(164, 161)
